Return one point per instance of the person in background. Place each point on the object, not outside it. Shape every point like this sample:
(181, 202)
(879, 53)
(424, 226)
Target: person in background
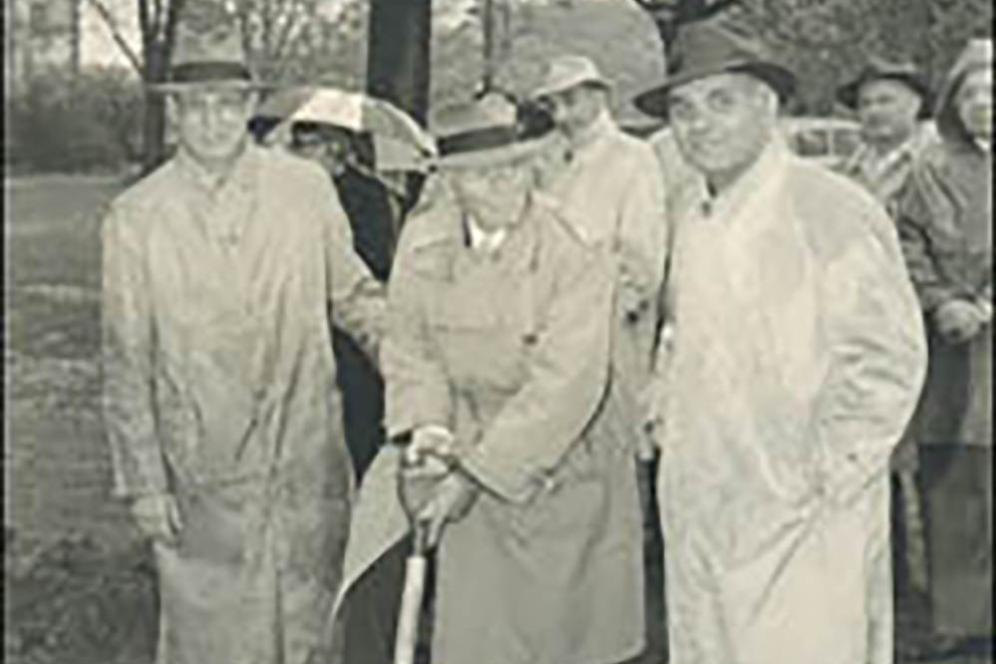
(220, 272)
(795, 362)
(945, 222)
(891, 99)
(893, 103)
(609, 186)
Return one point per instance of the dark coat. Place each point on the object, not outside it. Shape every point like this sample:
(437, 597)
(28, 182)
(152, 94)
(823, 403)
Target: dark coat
(945, 223)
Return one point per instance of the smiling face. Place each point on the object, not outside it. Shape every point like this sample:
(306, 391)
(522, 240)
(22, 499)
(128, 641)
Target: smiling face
(887, 110)
(722, 123)
(975, 103)
(211, 123)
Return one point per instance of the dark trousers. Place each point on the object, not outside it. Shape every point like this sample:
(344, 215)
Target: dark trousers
(957, 482)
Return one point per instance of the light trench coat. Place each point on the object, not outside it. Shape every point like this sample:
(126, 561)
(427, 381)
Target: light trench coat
(797, 357)
(510, 351)
(610, 188)
(220, 388)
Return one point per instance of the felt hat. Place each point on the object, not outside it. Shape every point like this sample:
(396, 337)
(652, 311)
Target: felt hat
(704, 48)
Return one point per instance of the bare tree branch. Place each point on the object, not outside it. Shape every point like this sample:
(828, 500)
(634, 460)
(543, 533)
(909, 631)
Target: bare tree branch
(117, 35)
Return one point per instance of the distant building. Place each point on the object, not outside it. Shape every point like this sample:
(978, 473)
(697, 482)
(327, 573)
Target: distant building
(40, 35)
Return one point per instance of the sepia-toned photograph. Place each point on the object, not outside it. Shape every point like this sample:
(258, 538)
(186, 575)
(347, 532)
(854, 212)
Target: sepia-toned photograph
(498, 332)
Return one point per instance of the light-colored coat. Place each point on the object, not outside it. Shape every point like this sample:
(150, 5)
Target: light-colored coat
(797, 357)
(611, 189)
(510, 351)
(220, 389)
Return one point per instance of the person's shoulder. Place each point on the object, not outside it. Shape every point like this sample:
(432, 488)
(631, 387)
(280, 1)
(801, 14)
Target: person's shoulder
(149, 191)
(428, 239)
(836, 212)
(285, 169)
(633, 147)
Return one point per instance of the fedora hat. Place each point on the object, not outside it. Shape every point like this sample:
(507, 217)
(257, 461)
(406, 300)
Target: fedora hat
(703, 49)
(208, 56)
(481, 133)
(569, 71)
(881, 69)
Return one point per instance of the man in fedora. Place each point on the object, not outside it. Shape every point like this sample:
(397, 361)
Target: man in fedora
(610, 187)
(496, 361)
(891, 99)
(796, 360)
(221, 270)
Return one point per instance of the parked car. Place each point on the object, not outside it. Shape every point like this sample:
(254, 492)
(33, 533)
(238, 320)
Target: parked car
(829, 141)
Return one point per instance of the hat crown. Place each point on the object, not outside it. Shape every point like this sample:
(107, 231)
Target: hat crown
(704, 45)
(490, 111)
(220, 43)
(568, 71)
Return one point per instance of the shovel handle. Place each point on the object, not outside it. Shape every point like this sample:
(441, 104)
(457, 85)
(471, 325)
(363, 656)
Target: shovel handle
(411, 600)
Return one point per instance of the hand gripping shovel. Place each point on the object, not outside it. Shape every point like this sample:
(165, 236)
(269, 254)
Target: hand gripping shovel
(411, 599)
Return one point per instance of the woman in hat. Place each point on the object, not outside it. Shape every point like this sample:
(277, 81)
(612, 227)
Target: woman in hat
(946, 229)
(496, 360)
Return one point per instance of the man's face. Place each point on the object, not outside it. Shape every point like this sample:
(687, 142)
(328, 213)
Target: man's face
(493, 195)
(975, 103)
(888, 110)
(722, 122)
(575, 109)
(211, 122)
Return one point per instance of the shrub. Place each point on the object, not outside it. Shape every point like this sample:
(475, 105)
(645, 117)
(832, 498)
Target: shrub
(72, 123)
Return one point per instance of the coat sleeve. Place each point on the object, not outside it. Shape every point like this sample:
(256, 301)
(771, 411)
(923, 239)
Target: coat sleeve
(643, 234)
(921, 209)
(568, 375)
(877, 353)
(127, 351)
(357, 299)
(416, 386)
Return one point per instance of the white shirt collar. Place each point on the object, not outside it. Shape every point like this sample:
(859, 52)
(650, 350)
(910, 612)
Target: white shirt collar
(482, 240)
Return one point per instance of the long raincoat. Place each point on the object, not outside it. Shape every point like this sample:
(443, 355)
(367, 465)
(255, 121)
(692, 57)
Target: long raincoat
(510, 351)
(220, 389)
(611, 189)
(796, 361)
(946, 229)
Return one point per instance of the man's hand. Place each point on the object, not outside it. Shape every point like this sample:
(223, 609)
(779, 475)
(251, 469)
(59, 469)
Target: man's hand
(157, 517)
(450, 502)
(959, 320)
(430, 442)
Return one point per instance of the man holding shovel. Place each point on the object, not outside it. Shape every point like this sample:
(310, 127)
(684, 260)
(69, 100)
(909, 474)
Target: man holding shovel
(496, 363)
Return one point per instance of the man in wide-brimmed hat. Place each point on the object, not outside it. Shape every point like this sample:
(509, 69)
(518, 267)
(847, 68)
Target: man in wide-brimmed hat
(220, 272)
(496, 361)
(610, 186)
(796, 359)
(891, 99)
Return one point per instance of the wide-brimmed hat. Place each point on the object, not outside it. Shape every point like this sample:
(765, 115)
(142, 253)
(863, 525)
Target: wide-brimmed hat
(881, 69)
(704, 48)
(481, 133)
(569, 71)
(208, 57)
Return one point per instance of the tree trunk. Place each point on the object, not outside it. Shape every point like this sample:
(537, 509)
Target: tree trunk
(154, 128)
(398, 56)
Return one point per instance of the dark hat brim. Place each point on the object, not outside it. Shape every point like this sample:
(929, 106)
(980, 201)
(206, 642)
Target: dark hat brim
(654, 102)
(212, 74)
(848, 93)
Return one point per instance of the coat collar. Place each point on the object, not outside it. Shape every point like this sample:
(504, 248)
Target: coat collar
(241, 177)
